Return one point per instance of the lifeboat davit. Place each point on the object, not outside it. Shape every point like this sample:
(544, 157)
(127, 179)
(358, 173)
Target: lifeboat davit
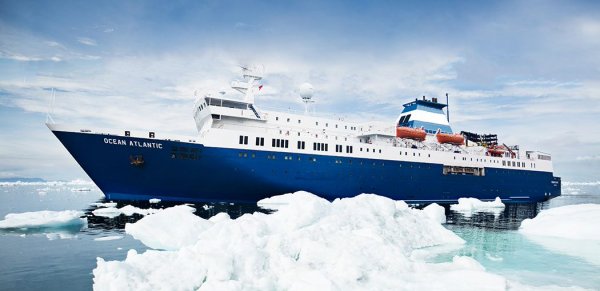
(496, 151)
(412, 133)
(455, 139)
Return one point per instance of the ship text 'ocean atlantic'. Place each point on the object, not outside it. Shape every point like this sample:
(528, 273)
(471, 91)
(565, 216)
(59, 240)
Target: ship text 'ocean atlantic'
(133, 143)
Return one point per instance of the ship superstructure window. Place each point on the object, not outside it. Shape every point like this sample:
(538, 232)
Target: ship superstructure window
(339, 148)
(243, 139)
(320, 146)
(280, 143)
(349, 149)
(301, 145)
(260, 141)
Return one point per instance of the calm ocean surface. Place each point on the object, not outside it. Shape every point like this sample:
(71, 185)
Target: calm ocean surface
(63, 259)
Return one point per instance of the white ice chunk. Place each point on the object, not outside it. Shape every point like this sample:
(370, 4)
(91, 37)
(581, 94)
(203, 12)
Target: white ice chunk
(110, 237)
(104, 204)
(83, 189)
(126, 210)
(277, 202)
(170, 229)
(573, 221)
(360, 243)
(154, 200)
(573, 230)
(468, 206)
(435, 212)
(43, 219)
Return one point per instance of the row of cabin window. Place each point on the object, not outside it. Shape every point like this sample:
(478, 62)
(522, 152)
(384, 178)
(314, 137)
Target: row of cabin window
(340, 149)
(514, 164)
(284, 143)
(504, 163)
(326, 124)
(320, 146)
(279, 143)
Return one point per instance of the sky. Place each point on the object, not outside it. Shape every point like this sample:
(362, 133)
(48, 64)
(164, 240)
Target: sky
(528, 71)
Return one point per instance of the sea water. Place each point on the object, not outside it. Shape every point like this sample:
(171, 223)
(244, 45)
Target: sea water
(59, 258)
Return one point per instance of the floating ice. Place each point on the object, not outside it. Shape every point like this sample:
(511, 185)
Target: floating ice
(468, 206)
(157, 231)
(43, 219)
(435, 212)
(362, 243)
(104, 204)
(573, 230)
(126, 210)
(110, 237)
(154, 200)
(81, 189)
(77, 182)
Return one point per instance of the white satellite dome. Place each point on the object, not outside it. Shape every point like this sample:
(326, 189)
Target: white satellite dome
(306, 91)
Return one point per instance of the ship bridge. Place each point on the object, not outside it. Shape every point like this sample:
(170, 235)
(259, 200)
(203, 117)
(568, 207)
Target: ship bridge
(425, 113)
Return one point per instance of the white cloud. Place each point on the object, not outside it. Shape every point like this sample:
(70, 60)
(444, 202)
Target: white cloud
(87, 41)
(588, 158)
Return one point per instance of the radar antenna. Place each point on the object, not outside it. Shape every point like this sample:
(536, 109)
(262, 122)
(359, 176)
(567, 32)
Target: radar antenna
(306, 92)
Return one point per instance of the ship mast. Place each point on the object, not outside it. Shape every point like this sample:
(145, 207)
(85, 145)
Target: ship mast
(248, 86)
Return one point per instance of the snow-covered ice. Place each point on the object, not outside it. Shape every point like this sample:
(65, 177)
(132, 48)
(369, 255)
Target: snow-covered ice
(435, 212)
(126, 210)
(43, 219)
(573, 230)
(158, 231)
(468, 206)
(365, 242)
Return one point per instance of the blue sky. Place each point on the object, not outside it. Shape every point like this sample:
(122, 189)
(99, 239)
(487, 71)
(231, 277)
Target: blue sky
(526, 70)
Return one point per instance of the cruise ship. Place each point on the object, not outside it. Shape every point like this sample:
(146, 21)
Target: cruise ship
(243, 154)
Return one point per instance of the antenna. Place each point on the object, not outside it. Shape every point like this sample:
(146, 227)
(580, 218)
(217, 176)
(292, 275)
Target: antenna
(248, 85)
(447, 109)
(306, 92)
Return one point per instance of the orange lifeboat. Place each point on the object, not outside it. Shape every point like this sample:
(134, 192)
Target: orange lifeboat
(412, 133)
(455, 139)
(496, 151)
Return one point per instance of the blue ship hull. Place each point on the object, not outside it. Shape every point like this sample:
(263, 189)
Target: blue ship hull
(191, 172)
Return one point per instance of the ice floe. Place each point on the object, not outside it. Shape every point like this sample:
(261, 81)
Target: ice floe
(43, 219)
(126, 210)
(76, 182)
(573, 230)
(469, 206)
(104, 204)
(110, 237)
(435, 212)
(365, 242)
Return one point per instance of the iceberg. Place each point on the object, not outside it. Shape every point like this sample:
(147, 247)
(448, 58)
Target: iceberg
(154, 200)
(43, 219)
(364, 242)
(572, 230)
